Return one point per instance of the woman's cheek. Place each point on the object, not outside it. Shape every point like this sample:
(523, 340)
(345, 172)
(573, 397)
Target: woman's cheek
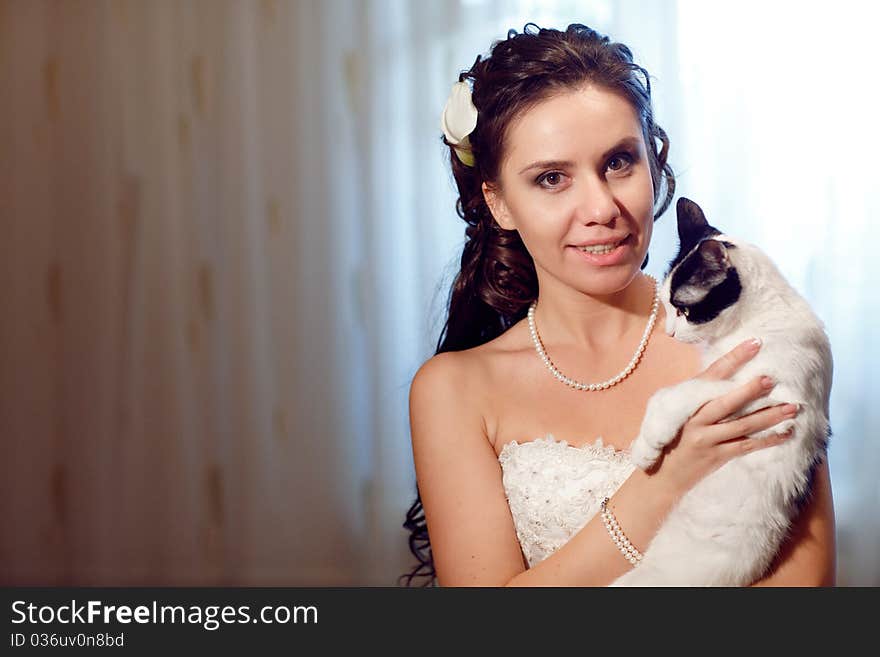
(649, 232)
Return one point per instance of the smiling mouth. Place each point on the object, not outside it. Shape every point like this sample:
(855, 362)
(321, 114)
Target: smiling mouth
(601, 249)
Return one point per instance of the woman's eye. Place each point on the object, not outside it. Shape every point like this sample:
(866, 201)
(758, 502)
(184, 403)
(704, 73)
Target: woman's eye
(553, 178)
(620, 161)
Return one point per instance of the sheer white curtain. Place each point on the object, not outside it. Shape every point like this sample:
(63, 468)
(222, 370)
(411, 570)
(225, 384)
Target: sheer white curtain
(778, 142)
(228, 237)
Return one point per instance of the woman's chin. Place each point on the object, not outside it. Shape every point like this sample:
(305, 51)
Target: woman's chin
(609, 282)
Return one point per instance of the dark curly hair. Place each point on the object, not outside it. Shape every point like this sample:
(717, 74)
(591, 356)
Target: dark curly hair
(497, 280)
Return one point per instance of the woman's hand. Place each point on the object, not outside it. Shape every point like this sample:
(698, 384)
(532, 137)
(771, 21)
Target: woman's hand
(710, 438)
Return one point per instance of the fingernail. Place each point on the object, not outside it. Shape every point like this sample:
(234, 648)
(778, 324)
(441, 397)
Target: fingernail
(754, 344)
(767, 382)
(791, 409)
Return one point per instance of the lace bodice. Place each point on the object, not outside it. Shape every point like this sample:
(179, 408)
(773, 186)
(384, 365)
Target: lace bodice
(554, 488)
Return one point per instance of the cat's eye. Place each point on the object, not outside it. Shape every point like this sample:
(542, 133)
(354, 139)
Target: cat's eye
(681, 311)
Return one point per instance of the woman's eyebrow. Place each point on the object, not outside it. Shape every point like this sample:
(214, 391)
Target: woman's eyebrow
(626, 142)
(547, 164)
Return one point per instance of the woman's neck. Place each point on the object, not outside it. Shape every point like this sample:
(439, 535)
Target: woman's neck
(595, 323)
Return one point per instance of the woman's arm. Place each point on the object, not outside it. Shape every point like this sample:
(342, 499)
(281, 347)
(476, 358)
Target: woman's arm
(590, 557)
(808, 556)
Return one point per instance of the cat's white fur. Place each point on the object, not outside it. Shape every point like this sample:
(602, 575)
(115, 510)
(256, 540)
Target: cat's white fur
(726, 530)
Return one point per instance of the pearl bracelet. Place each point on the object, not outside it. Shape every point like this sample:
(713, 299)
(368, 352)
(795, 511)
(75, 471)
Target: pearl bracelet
(620, 540)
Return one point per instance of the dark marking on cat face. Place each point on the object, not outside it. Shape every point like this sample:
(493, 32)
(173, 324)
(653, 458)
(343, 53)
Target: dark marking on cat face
(704, 280)
(717, 298)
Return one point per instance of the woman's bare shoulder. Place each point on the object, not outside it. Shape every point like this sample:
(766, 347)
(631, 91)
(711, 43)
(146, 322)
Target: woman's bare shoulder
(471, 367)
(448, 369)
(462, 380)
(447, 381)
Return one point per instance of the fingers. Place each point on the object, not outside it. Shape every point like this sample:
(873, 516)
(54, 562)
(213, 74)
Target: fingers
(721, 407)
(744, 444)
(748, 424)
(730, 362)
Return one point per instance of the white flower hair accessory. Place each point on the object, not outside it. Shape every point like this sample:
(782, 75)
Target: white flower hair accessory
(458, 120)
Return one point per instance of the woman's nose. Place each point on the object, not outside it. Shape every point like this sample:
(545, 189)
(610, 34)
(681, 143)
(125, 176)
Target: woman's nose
(597, 203)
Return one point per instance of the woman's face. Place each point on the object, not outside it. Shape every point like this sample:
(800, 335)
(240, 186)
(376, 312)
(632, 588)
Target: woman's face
(576, 173)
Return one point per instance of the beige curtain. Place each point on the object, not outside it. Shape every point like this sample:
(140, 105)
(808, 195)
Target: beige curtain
(177, 296)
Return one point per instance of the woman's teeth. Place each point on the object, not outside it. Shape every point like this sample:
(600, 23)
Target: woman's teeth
(600, 248)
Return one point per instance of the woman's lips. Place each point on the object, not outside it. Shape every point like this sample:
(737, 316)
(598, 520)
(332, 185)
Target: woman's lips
(615, 257)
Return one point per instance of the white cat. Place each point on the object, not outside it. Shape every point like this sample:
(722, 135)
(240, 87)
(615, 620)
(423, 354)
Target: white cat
(721, 291)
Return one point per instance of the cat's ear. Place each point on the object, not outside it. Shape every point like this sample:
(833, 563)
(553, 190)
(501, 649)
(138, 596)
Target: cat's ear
(715, 261)
(692, 224)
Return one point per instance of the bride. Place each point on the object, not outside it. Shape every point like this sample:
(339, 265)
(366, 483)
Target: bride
(521, 421)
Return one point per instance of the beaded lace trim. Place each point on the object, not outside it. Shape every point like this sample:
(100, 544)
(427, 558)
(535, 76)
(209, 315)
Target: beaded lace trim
(598, 447)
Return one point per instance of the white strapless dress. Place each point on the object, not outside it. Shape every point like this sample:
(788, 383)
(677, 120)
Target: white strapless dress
(554, 488)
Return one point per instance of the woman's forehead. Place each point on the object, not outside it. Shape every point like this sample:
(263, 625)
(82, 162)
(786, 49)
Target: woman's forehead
(579, 124)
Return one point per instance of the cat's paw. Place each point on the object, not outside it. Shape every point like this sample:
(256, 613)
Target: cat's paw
(656, 433)
(642, 454)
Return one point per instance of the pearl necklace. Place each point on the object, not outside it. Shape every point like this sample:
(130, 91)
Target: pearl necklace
(610, 382)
